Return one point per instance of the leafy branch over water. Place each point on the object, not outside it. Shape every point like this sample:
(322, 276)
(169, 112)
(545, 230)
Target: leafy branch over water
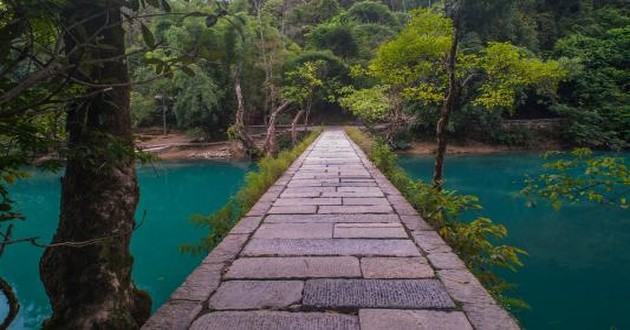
(580, 176)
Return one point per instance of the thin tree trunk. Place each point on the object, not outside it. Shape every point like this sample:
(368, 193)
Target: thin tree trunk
(294, 125)
(270, 146)
(239, 123)
(447, 109)
(90, 287)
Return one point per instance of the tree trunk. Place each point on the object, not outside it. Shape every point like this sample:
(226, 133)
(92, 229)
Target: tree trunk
(270, 146)
(239, 123)
(89, 283)
(294, 125)
(447, 109)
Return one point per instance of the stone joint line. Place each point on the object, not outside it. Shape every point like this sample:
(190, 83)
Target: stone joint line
(332, 245)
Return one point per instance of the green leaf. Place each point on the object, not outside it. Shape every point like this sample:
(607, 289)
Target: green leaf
(188, 71)
(147, 35)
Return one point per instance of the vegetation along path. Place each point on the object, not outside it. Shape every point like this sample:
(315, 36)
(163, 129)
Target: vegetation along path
(332, 245)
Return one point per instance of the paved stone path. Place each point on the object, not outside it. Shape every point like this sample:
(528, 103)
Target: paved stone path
(332, 245)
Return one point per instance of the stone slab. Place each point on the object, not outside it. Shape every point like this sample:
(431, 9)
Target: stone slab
(332, 218)
(294, 230)
(284, 201)
(379, 319)
(350, 184)
(490, 317)
(355, 209)
(200, 284)
(365, 201)
(464, 287)
(236, 295)
(271, 320)
(373, 293)
(330, 247)
(297, 209)
(246, 225)
(369, 230)
(353, 194)
(430, 242)
(288, 267)
(358, 189)
(415, 223)
(446, 260)
(396, 268)
(173, 315)
(227, 250)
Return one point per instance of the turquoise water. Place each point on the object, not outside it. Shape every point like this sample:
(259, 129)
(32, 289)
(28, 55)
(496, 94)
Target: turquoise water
(169, 193)
(577, 274)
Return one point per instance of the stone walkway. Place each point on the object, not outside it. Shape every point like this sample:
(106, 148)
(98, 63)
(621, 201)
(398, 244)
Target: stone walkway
(332, 245)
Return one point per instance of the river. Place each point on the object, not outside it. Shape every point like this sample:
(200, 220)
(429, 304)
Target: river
(577, 274)
(169, 193)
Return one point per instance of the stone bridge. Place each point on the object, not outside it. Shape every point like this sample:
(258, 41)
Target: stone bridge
(332, 245)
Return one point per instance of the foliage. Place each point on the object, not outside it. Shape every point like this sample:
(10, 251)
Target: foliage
(596, 99)
(580, 176)
(371, 105)
(414, 63)
(372, 12)
(256, 184)
(336, 36)
(475, 242)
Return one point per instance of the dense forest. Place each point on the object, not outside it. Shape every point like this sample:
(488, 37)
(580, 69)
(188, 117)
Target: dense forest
(77, 75)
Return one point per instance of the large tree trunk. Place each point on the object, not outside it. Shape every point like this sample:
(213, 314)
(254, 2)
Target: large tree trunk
(447, 109)
(294, 125)
(89, 283)
(270, 146)
(239, 122)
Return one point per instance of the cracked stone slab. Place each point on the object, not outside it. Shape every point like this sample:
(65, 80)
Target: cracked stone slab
(331, 247)
(396, 268)
(256, 294)
(378, 319)
(299, 267)
(373, 293)
(294, 230)
(331, 218)
(271, 320)
(369, 230)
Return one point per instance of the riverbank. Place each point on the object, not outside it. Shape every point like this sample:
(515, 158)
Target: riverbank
(177, 147)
